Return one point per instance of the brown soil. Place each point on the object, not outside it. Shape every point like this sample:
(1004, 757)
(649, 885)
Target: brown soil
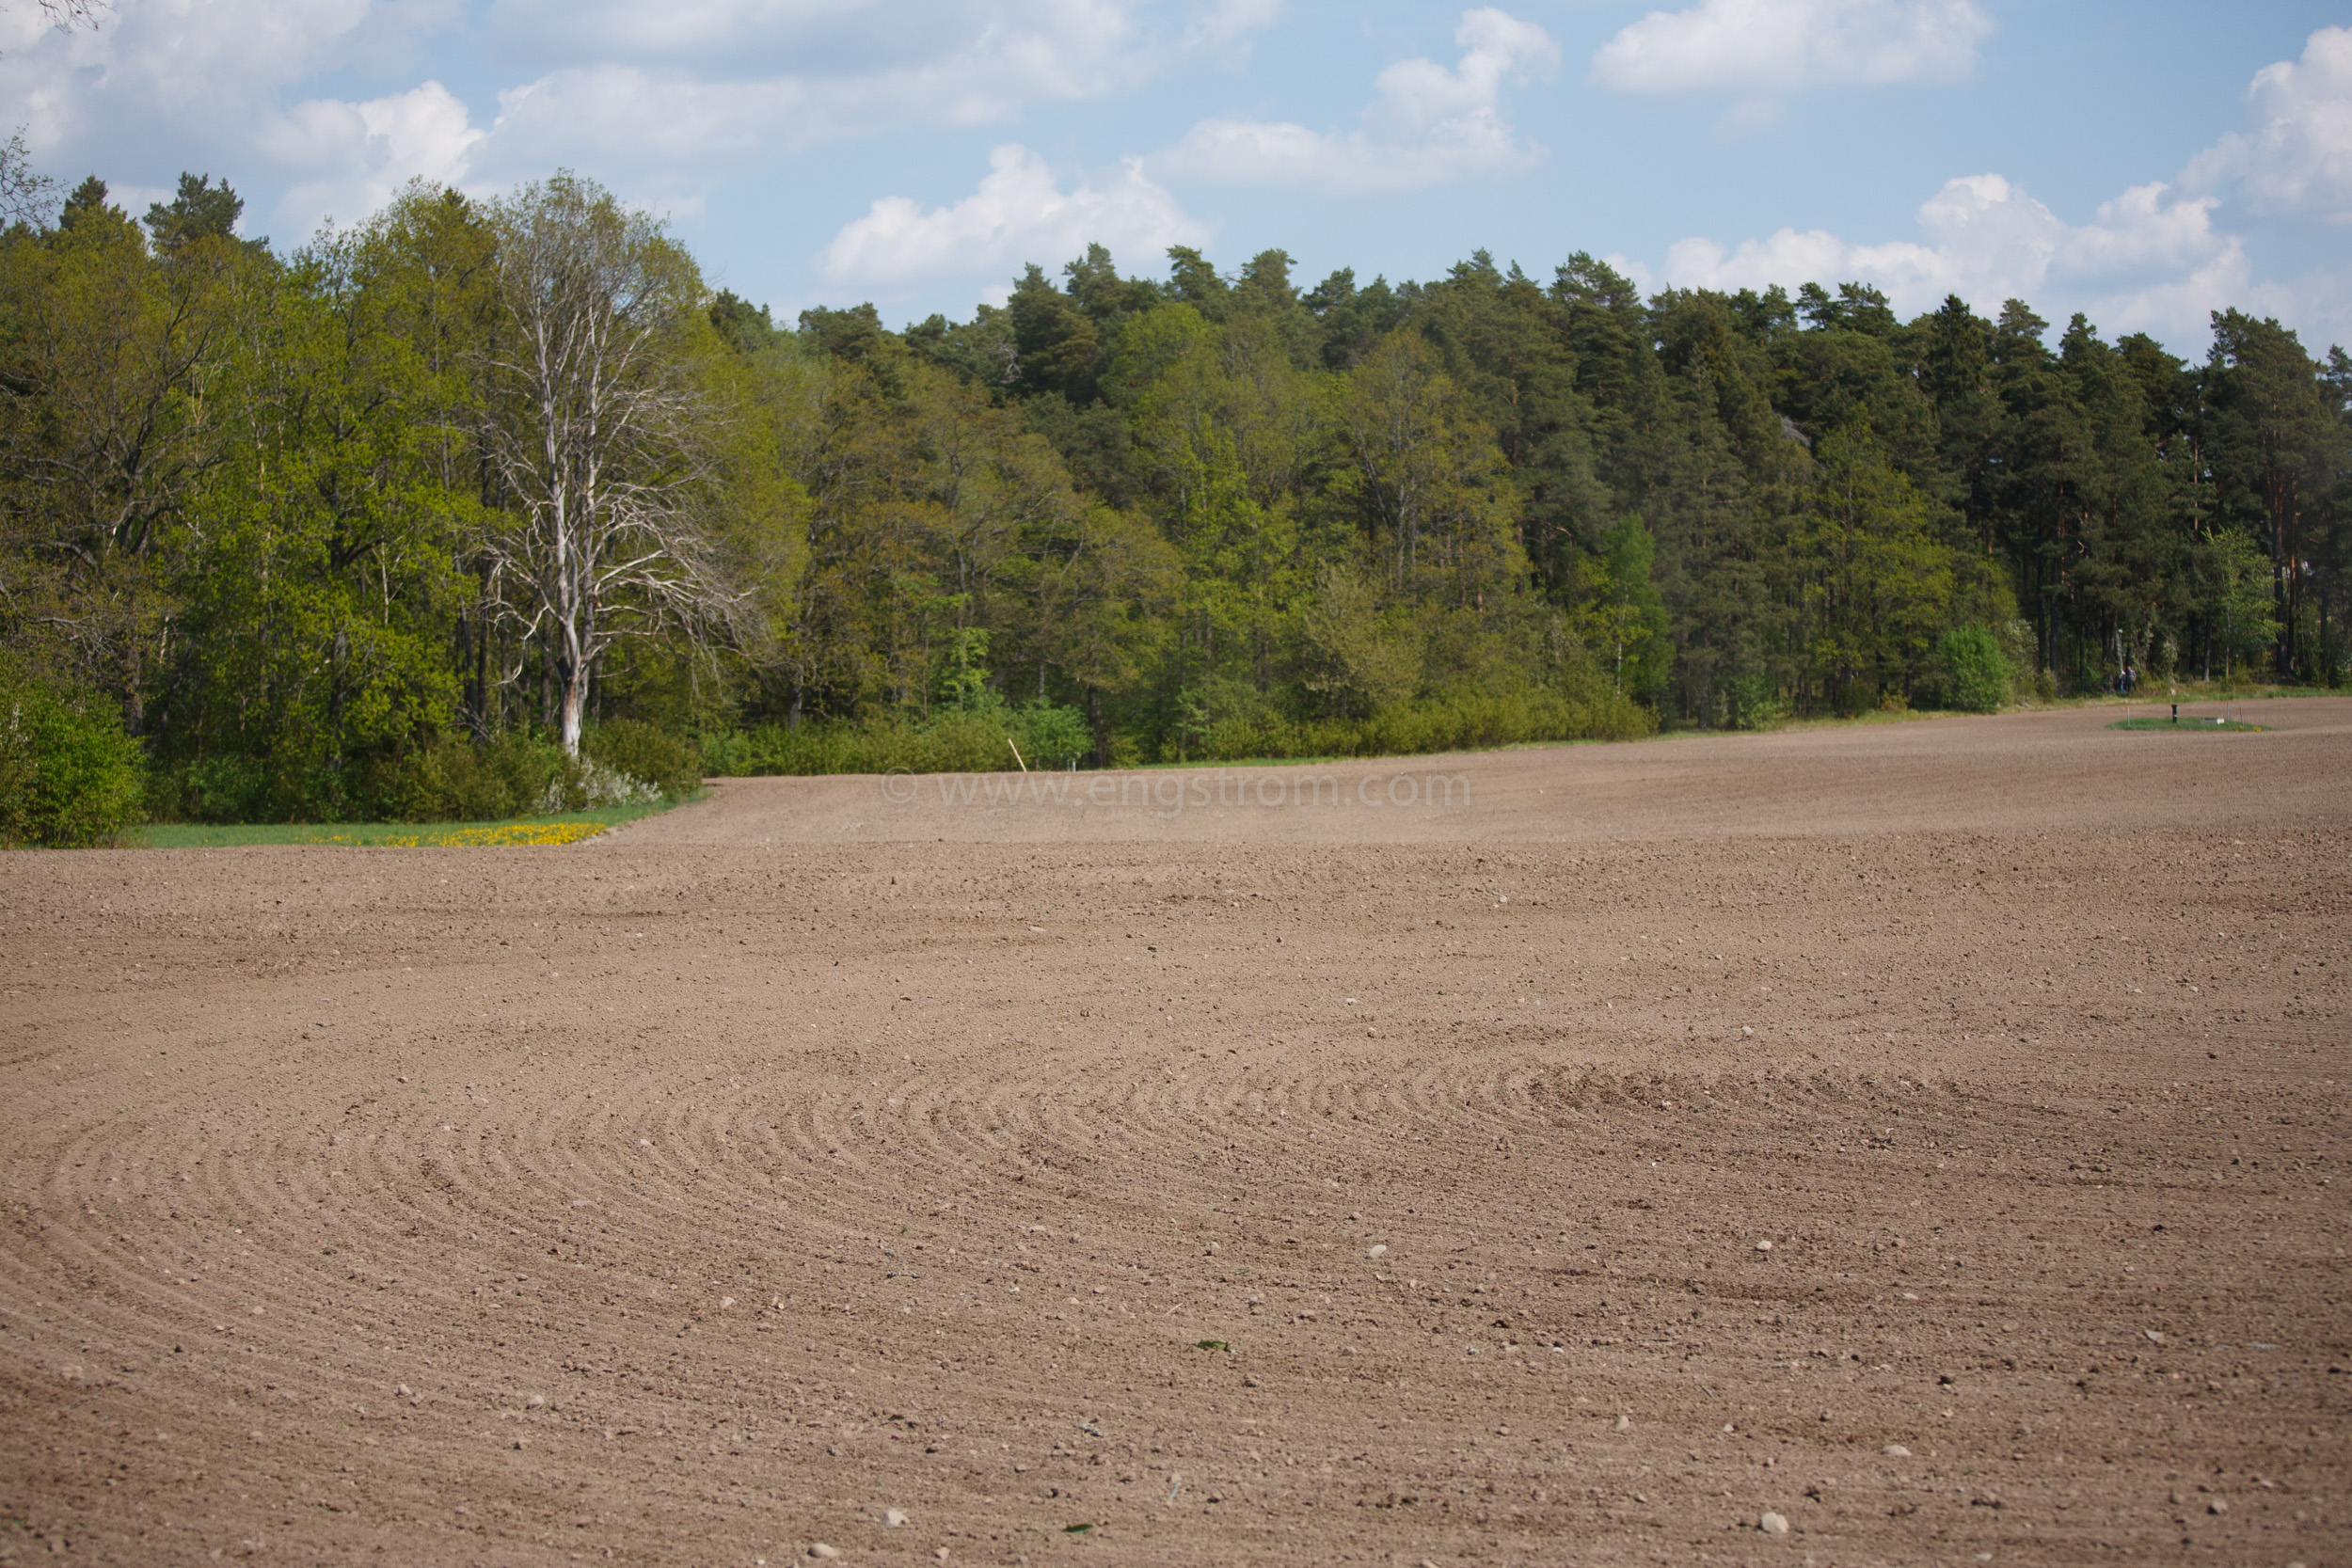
(702, 1192)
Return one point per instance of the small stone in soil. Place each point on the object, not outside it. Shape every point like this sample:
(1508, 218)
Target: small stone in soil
(1773, 1523)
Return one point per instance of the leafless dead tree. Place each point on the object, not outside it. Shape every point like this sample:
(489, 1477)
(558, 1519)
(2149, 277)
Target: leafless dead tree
(600, 435)
(25, 197)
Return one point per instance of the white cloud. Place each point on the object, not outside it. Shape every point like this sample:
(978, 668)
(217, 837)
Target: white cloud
(1765, 47)
(2318, 305)
(2150, 260)
(1019, 213)
(660, 102)
(2153, 259)
(2296, 159)
(669, 99)
(1226, 26)
(159, 86)
(348, 159)
(1427, 124)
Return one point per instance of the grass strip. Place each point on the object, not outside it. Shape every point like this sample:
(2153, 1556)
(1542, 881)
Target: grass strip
(2203, 726)
(566, 828)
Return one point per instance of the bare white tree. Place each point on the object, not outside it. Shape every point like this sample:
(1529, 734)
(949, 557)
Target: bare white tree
(600, 435)
(70, 13)
(25, 197)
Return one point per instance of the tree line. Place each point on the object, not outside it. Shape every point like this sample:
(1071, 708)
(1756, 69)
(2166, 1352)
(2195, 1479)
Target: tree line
(448, 510)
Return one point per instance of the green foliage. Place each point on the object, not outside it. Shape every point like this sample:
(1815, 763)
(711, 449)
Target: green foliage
(646, 752)
(1972, 673)
(1628, 616)
(199, 211)
(1466, 721)
(1050, 737)
(520, 775)
(69, 775)
(2235, 577)
(537, 829)
(303, 518)
(448, 778)
(980, 738)
(1870, 581)
(2190, 726)
(452, 779)
(1361, 658)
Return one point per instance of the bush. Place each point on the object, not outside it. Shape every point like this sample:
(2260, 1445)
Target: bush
(519, 775)
(1975, 676)
(953, 741)
(647, 754)
(69, 775)
(1051, 737)
(452, 779)
(582, 783)
(210, 789)
(1752, 700)
(973, 740)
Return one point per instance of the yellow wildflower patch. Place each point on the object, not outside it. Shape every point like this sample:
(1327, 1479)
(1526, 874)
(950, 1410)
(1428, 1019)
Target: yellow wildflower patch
(500, 836)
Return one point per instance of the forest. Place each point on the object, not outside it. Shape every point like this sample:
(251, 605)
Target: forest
(484, 507)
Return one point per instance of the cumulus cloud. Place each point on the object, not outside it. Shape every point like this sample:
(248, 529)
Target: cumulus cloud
(2150, 260)
(2295, 159)
(660, 102)
(1426, 124)
(161, 87)
(2156, 257)
(668, 99)
(2318, 305)
(349, 159)
(1019, 213)
(1761, 48)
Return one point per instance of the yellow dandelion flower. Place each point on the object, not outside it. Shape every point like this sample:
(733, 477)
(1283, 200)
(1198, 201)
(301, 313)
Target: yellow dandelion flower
(513, 833)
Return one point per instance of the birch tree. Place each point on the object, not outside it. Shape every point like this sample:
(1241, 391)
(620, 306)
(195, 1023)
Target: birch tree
(599, 431)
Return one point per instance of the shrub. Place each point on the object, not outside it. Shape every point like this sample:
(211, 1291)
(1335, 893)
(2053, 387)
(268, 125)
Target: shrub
(645, 752)
(973, 740)
(582, 783)
(452, 779)
(232, 788)
(1752, 700)
(69, 775)
(953, 741)
(1974, 676)
(1052, 737)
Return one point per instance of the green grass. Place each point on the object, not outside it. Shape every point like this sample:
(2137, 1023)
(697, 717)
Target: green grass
(563, 827)
(2203, 726)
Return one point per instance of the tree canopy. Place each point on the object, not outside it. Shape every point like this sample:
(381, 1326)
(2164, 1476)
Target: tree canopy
(475, 468)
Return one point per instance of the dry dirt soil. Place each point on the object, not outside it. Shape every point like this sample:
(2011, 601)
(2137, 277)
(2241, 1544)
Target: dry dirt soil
(1926, 1138)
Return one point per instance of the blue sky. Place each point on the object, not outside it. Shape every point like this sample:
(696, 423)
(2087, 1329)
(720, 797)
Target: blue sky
(2145, 162)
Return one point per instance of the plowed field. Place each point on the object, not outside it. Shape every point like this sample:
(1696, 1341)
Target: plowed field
(1929, 1138)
